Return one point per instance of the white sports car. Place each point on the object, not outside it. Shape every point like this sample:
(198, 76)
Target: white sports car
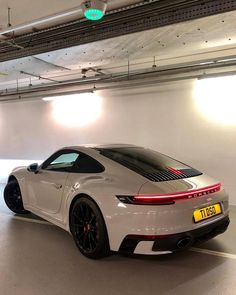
(121, 198)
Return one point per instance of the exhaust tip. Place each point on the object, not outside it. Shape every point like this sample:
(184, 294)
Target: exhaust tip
(184, 242)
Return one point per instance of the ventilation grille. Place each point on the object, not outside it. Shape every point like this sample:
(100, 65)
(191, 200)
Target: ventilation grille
(168, 175)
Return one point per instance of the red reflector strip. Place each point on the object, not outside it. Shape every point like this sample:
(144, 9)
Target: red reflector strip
(165, 198)
(146, 238)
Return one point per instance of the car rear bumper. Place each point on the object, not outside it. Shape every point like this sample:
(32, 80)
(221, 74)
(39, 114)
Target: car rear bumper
(141, 244)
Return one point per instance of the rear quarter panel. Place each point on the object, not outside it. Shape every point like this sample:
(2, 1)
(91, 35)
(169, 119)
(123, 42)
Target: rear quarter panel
(102, 188)
(176, 218)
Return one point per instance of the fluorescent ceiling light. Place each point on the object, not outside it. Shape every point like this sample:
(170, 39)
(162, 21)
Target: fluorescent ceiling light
(65, 96)
(50, 98)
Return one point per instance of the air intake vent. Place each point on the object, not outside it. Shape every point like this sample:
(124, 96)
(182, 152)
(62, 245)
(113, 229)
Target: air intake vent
(169, 175)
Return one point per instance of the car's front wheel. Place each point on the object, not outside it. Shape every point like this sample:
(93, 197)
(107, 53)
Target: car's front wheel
(13, 197)
(88, 229)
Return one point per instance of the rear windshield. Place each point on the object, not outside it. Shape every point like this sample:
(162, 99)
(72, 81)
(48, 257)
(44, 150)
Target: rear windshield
(150, 164)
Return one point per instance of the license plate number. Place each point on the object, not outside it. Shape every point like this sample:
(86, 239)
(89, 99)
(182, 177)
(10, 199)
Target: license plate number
(207, 212)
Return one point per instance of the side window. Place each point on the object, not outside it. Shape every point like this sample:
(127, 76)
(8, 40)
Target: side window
(62, 162)
(86, 164)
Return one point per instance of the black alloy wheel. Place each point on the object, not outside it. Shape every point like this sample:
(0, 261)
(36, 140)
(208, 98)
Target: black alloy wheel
(88, 229)
(13, 197)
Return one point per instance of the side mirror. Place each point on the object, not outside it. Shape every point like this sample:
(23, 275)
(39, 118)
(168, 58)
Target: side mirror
(33, 167)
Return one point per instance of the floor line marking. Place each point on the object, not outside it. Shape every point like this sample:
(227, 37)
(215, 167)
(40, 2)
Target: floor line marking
(214, 253)
(26, 219)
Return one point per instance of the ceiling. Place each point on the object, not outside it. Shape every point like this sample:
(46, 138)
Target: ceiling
(23, 11)
(208, 38)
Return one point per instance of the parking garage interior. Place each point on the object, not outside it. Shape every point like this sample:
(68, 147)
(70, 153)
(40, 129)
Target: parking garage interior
(159, 74)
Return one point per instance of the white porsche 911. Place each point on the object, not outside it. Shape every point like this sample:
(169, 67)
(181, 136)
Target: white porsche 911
(121, 198)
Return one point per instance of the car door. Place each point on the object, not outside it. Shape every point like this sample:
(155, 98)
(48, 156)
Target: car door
(46, 188)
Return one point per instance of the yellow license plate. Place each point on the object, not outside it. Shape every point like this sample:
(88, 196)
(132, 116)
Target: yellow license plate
(207, 212)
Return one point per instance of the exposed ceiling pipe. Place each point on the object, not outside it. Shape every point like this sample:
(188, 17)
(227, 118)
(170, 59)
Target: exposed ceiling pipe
(148, 78)
(39, 95)
(159, 74)
(52, 19)
(227, 66)
(125, 85)
(39, 77)
(55, 18)
(42, 21)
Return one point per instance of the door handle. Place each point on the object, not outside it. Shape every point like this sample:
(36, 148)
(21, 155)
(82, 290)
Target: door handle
(57, 186)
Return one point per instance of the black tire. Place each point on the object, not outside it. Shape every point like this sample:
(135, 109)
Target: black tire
(88, 229)
(13, 198)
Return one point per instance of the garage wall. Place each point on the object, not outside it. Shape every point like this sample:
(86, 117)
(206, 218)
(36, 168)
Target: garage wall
(162, 117)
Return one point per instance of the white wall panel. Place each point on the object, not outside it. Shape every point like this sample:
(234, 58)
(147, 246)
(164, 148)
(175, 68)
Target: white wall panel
(162, 117)
(7, 165)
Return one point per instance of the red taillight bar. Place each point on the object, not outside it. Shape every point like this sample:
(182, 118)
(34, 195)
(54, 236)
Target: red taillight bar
(170, 198)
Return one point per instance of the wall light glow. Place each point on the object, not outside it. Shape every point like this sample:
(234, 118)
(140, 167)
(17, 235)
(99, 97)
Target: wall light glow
(76, 110)
(216, 99)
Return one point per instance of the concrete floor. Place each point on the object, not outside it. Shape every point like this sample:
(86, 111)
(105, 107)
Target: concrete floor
(39, 258)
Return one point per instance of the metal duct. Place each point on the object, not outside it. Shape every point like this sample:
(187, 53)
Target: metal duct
(124, 80)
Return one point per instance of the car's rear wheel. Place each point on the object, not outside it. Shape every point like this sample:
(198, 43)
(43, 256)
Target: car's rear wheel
(13, 197)
(88, 229)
